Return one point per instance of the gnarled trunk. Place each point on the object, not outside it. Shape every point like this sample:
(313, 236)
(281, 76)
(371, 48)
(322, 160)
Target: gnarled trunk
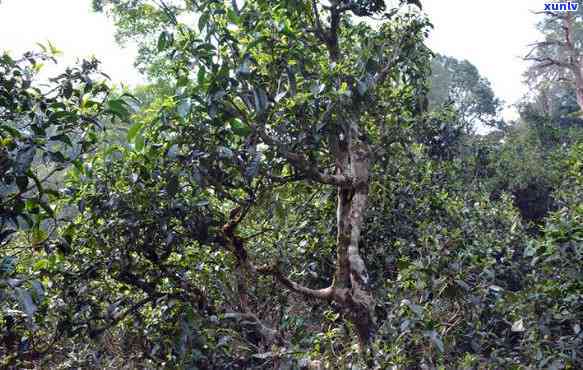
(353, 160)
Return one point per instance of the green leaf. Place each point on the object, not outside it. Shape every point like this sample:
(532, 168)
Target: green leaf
(203, 21)
(11, 131)
(133, 130)
(260, 100)
(417, 3)
(205, 47)
(62, 138)
(280, 211)
(182, 81)
(38, 236)
(43, 48)
(56, 157)
(139, 142)
(292, 82)
(53, 193)
(53, 49)
(200, 75)
(136, 100)
(63, 116)
(530, 250)
(47, 208)
(8, 264)
(119, 108)
(42, 264)
(239, 128)
(233, 17)
(164, 40)
(24, 159)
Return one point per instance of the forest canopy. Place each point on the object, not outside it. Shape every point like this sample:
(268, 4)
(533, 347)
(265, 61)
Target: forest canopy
(298, 185)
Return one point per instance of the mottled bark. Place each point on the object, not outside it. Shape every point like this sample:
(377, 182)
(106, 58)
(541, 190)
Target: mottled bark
(579, 87)
(344, 198)
(359, 301)
(351, 277)
(574, 59)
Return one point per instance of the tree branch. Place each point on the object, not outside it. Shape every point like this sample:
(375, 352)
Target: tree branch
(323, 294)
(547, 62)
(301, 163)
(236, 245)
(133, 309)
(320, 32)
(546, 43)
(383, 73)
(168, 12)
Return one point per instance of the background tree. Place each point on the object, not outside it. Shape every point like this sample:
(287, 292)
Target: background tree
(459, 84)
(559, 56)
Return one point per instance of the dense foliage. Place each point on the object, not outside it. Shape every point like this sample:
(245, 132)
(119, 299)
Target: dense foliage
(295, 188)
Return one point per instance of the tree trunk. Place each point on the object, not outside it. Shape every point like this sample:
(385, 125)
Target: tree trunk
(574, 60)
(351, 273)
(579, 86)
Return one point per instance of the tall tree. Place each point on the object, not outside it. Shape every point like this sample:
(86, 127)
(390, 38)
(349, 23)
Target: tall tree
(270, 94)
(559, 57)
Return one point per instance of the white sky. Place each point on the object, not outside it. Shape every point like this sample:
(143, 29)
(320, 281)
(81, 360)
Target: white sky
(490, 34)
(72, 27)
